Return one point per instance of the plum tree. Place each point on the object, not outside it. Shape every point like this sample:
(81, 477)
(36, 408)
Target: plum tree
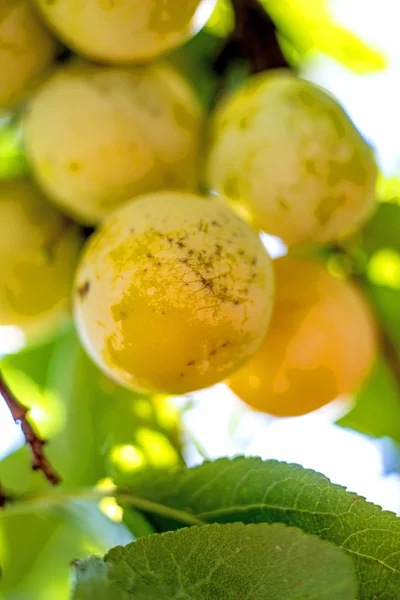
(127, 30)
(285, 150)
(39, 249)
(174, 292)
(96, 136)
(321, 342)
(26, 49)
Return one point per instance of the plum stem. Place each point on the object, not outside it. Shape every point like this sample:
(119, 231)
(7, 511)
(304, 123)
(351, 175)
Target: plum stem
(33, 501)
(254, 38)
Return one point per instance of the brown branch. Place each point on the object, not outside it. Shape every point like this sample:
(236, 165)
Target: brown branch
(20, 415)
(4, 499)
(254, 39)
(390, 354)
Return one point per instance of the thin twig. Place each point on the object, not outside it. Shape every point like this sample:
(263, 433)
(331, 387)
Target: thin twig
(20, 415)
(35, 500)
(391, 355)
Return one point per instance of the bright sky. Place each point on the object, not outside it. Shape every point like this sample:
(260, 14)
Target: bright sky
(219, 422)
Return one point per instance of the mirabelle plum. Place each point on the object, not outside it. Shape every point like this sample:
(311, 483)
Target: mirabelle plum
(126, 30)
(96, 136)
(26, 49)
(321, 343)
(174, 293)
(285, 150)
(39, 249)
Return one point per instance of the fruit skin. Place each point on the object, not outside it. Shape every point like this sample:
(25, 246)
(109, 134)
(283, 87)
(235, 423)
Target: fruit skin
(39, 250)
(26, 50)
(321, 343)
(286, 151)
(126, 31)
(97, 136)
(174, 292)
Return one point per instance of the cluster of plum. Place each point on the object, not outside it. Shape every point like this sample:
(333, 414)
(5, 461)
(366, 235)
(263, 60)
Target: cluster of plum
(174, 290)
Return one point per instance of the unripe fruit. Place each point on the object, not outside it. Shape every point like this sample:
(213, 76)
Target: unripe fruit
(286, 151)
(127, 30)
(321, 343)
(26, 49)
(173, 294)
(95, 137)
(38, 255)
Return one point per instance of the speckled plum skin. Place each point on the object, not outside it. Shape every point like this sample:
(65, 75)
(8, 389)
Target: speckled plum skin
(174, 293)
(321, 343)
(284, 150)
(39, 250)
(125, 31)
(96, 136)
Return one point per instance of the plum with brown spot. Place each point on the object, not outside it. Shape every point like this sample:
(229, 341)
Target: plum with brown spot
(192, 312)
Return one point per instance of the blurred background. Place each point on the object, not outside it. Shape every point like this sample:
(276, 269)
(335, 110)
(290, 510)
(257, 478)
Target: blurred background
(372, 100)
(351, 48)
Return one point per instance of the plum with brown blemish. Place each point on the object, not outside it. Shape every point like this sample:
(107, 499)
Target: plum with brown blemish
(193, 312)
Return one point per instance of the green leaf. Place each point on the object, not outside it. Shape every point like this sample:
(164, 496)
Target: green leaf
(249, 562)
(385, 302)
(12, 159)
(382, 230)
(16, 474)
(252, 491)
(36, 547)
(33, 362)
(17, 554)
(194, 61)
(114, 430)
(75, 449)
(376, 411)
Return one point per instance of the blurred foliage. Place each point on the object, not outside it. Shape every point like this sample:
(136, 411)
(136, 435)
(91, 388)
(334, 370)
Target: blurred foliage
(389, 188)
(97, 430)
(12, 158)
(382, 230)
(376, 411)
(37, 548)
(194, 61)
(307, 26)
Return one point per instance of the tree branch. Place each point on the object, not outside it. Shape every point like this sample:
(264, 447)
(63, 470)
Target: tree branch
(20, 415)
(391, 354)
(4, 499)
(254, 38)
